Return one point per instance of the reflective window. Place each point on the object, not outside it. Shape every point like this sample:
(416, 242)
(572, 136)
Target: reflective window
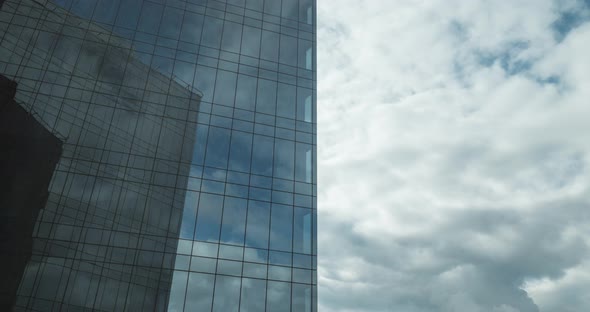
(251, 41)
(151, 14)
(225, 87)
(227, 294)
(301, 298)
(281, 227)
(253, 295)
(232, 36)
(171, 23)
(246, 92)
(287, 100)
(284, 159)
(191, 27)
(241, 151)
(189, 215)
(105, 11)
(303, 165)
(290, 9)
(269, 46)
(199, 294)
(257, 228)
(266, 96)
(254, 4)
(217, 147)
(234, 220)
(288, 51)
(302, 230)
(212, 28)
(179, 281)
(262, 155)
(209, 217)
(272, 7)
(278, 297)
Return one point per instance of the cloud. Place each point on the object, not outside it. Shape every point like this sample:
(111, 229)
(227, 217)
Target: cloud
(452, 155)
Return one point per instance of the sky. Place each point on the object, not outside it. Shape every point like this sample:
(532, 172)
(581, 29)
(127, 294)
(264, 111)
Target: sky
(453, 155)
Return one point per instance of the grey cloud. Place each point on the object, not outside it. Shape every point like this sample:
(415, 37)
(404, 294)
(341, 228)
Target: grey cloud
(453, 161)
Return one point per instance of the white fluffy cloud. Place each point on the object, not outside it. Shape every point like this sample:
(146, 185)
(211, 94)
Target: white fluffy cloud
(453, 155)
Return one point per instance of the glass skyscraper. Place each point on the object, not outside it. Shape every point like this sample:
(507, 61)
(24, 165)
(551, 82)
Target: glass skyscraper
(172, 146)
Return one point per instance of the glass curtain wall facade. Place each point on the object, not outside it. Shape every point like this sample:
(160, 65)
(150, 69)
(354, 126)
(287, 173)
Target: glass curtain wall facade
(187, 180)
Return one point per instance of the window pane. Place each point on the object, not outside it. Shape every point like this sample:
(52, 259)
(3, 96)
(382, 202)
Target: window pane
(234, 220)
(303, 162)
(270, 46)
(189, 215)
(225, 88)
(171, 23)
(129, 13)
(217, 147)
(290, 9)
(241, 149)
(254, 5)
(105, 11)
(272, 7)
(267, 96)
(185, 72)
(209, 217)
(302, 231)
(301, 298)
(177, 291)
(191, 27)
(262, 155)
(212, 32)
(286, 100)
(251, 41)
(278, 298)
(281, 231)
(246, 92)
(199, 292)
(304, 107)
(200, 145)
(151, 14)
(83, 8)
(253, 295)
(305, 11)
(227, 294)
(305, 54)
(232, 35)
(205, 82)
(258, 222)
(288, 50)
(284, 159)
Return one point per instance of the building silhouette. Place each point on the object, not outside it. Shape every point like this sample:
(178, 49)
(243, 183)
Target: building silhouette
(161, 155)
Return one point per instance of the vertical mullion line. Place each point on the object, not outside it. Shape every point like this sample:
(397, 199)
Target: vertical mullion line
(102, 267)
(228, 157)
(110, 232)
(202, 172)
(251, 158)
(251, 145)
(205, 158)
(294, 161)
(193, 239)
(150, 184)
(252, 140)
(190, 97)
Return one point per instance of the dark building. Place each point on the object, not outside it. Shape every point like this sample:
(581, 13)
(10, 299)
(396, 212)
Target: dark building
(169, 150)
